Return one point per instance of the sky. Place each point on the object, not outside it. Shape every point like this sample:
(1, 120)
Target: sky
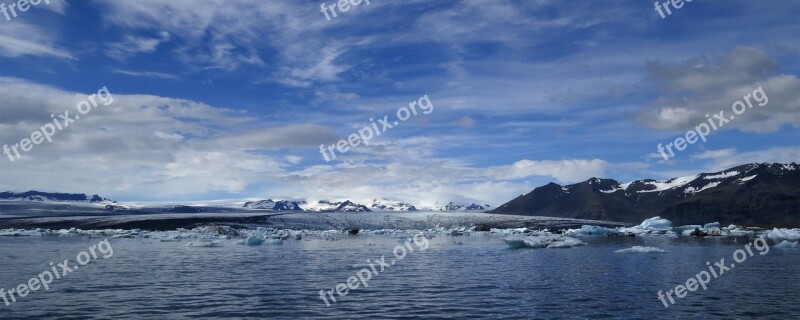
(232, 99)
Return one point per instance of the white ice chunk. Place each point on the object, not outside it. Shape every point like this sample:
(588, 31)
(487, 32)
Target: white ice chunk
(253, 241)
(543, 241)
(591, 231)
(515, 242)
(787, 245)
(640, 249)
(203, 243)
(656, 223)
(566, 242)
(785, 234)
(653, 225)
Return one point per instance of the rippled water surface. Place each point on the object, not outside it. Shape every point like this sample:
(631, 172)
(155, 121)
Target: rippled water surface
(456, 277)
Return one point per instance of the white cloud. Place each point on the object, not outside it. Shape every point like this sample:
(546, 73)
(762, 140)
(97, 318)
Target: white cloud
(150, 74)
(465, 122)
(727, 158)
(703, 86)
(324, 70)
(220, 34)
(57, 6)
(563, 170)
(151, 147)
(20, 39)
(133, 45)
(293, 159)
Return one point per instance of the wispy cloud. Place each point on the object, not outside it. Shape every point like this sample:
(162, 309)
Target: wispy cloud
(133, 45)
(20, 39)
(149, 74)
(704, 85)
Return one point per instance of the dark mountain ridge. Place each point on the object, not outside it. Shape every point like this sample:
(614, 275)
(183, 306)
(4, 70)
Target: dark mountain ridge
(752, 194)
(48, 196)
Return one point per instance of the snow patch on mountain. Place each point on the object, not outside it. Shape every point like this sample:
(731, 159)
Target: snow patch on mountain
(384, 204)
(745, 179)
(327, 206)
(464, 207)
(615, 189)
(668, 184)
(691, 190)
(722, 175)
(279, 205)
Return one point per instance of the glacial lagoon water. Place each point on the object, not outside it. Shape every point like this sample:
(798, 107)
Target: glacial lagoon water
(458, 277)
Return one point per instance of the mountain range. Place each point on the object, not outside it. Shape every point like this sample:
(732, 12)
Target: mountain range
(47, 196)
(378, 204)
(753, 194)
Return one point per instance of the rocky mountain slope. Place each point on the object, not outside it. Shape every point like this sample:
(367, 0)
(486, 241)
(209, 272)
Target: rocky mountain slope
(752, 194)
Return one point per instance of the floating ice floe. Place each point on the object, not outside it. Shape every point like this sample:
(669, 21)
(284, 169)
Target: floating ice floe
(640, 249)
(21, 233)
(784, 234)
(787, 245)
(659, 226)
(543, 241)
(204, 243)
(592, 231)
(653, 225)
(253, 241)
(217, 230)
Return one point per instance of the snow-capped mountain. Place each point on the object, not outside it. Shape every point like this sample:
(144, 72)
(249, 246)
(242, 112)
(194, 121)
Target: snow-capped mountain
(454, 206)
(383, 204)
(750, 194)
(327, 206)
(50, 197)
(465, 207)
(279, 205)
(72, 199)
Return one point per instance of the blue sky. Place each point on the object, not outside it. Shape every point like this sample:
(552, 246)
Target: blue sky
(231, 99)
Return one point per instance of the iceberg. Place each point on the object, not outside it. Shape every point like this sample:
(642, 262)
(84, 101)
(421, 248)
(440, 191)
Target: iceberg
(784, 234)
(640, 249)
(515, 242)
(567, 242)
(21, 233)
(592, 231)
(253, 241)
(787, 245)
(543, 241)
(655, 225)
(217, 230)
(203, 244)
